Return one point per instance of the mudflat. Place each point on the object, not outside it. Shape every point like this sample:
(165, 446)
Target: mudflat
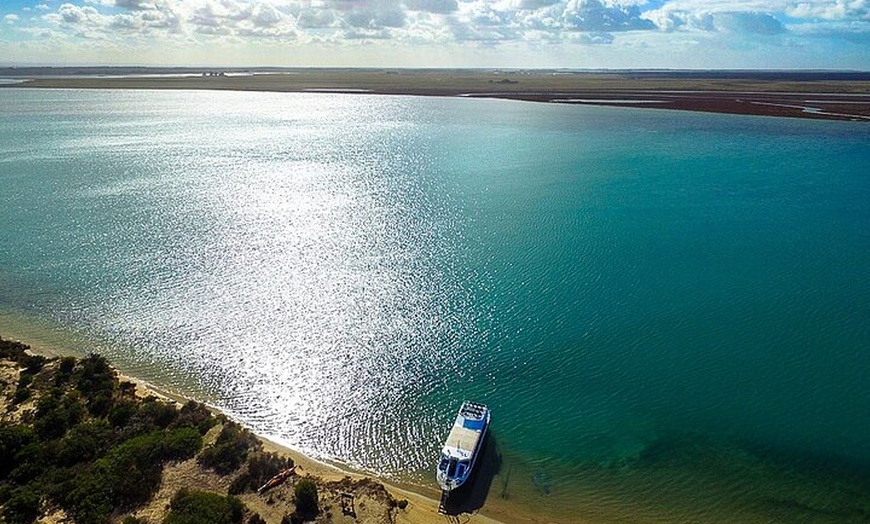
(819, 95)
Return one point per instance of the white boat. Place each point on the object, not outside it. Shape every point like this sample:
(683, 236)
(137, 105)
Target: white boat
(463, 446)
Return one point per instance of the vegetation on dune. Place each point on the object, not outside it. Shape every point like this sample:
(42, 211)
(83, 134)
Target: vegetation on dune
(75, 438)
(260, 468)
(230, 450)
(91, 447)
(201, 507)
(306, 498)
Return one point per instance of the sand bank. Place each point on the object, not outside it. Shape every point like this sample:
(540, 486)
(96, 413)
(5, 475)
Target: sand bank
(786, 95)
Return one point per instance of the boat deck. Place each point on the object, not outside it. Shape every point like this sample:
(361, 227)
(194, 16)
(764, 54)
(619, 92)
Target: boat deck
(463, 439)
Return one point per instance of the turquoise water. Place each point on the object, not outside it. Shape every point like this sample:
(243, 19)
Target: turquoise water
(666, 311)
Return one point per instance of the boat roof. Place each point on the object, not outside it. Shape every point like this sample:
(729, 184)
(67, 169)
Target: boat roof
(466, 431)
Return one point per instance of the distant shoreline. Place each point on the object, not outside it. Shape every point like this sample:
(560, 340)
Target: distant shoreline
(811, 95)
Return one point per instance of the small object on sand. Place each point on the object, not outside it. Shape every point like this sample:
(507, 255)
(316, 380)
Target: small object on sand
(278, 479)
(347, 504)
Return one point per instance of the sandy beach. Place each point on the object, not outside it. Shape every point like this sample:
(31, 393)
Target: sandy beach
(796, 95)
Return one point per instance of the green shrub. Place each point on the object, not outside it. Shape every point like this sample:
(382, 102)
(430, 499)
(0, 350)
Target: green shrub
(229, 451)
(261, 468)
(32, 461)
(195, 415)
(55, 415)
(24, 380)
(156, 412)
(64, 371)
(402, 504)
(85, 442)
(22, 507)
(122, 412)
(240, 484)
(182, 443)
(306, 497)
(67, 364)
(13, 438)
(256, 519)
(130, 519)
(96, 381)
(12, 350)
(32, 364)
(127, 389)
(21, 394)
(200, 507)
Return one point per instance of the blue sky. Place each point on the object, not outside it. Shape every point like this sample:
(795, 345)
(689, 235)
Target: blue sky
(708, 34)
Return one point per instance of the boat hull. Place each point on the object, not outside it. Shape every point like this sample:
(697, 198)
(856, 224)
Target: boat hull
(463, 446)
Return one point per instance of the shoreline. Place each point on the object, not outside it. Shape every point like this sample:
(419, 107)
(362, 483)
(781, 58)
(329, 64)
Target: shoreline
(759, 95)
(422, 508)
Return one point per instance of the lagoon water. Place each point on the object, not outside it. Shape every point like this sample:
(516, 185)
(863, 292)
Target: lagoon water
(667, 311)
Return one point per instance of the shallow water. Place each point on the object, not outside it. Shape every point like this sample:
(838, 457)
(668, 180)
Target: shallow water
(666, 311)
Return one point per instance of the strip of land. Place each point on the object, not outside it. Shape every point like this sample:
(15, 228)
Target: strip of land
(814, 95)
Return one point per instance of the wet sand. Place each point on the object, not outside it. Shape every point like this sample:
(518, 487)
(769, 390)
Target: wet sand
(800, 95)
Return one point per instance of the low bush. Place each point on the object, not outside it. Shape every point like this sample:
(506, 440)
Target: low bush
(32, 461)
(195, 415)
(156, 413)
(96, 381)
(93, 448)
(230, 450)
(64, 371)
(56, 414)
(13, 438)
(12, 350)
(32, 364)
(261, 468)
(22, 392)
(306, 498)
(122, 412)
(22, 506)
(85, 442)
(200, 507)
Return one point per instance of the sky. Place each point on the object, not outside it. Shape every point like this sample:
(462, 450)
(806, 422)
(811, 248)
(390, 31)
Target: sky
(676, 34)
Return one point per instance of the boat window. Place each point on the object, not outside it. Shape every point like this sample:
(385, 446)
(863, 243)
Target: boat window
(443, 465)
(460, 469)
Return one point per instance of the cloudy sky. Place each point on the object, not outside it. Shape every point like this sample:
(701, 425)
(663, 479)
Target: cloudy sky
(781, 34)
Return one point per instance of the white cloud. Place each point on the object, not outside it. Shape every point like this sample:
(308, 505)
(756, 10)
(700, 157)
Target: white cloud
(432, 6)
(542, 26)
(10, 18)
(830, 10)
